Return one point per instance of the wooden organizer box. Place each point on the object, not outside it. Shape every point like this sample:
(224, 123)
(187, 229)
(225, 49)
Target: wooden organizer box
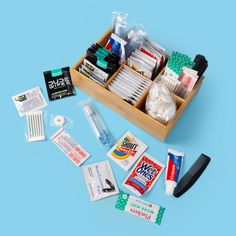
(134, 113)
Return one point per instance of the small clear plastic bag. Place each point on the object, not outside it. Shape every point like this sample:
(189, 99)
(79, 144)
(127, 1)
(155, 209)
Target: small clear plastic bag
(135, 36)
(119, 23)
(35, 126)
(159, 103)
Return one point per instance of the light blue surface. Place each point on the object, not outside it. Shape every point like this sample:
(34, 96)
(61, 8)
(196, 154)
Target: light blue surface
(42, 192)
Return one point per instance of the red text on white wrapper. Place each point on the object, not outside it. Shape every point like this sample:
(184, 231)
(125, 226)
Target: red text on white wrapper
(69, 146)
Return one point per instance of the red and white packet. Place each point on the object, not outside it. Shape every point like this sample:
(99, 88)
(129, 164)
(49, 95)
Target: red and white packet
(70, 147)
(144, 175)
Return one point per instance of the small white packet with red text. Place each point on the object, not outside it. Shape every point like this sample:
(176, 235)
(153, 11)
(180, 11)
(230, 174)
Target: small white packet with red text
(70, 147)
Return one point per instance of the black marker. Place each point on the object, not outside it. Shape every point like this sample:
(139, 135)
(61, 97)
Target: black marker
(192, 175)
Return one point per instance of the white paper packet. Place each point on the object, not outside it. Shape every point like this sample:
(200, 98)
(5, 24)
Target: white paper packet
(29, 100)
(70, 147)
(100, 180)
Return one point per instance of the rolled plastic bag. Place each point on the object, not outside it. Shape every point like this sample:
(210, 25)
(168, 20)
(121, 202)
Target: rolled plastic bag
(135, 36)
(119, 22)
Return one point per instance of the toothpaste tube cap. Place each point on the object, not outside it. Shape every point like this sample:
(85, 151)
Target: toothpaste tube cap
(170, 186)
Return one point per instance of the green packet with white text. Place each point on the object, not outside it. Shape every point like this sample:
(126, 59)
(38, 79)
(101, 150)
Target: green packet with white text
(139, 207)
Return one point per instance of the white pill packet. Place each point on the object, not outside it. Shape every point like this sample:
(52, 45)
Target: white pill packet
(100, 180)
(127, 150)
(30, 100)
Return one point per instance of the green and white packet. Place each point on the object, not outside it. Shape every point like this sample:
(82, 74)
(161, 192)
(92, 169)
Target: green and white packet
(139, 207)
(177, 61)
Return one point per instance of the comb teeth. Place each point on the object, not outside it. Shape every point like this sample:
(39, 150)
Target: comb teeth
(35, 126)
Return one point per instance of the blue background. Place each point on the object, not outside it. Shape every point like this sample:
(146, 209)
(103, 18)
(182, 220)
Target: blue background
(42, 192)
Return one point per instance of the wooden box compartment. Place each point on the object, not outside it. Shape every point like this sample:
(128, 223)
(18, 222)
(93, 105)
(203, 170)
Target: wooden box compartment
(134, 113)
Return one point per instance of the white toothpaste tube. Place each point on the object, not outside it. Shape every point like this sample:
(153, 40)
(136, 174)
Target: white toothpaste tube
(174, 164)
